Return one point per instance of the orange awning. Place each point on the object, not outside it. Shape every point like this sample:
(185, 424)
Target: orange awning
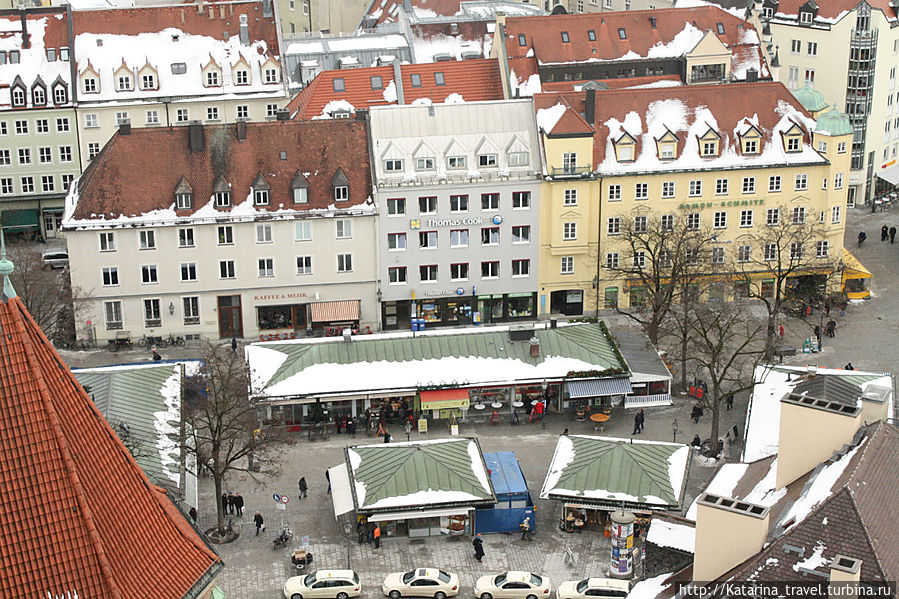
(343, 311)
(444, 398)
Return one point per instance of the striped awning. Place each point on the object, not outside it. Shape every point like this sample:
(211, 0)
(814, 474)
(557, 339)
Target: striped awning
(342, 311)
(599, 387)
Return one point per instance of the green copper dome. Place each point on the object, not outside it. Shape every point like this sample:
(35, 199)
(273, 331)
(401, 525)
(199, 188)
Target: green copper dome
(833, 122)
(811, 99)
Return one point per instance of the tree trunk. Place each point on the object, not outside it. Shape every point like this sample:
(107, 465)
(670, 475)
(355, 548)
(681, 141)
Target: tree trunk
(770, 335)
(684, 342)
(716, 415)
(219, 508)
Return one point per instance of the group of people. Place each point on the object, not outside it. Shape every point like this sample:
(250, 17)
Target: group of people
(888, 233)
(639, 419)
(369, 532)
(232, 503)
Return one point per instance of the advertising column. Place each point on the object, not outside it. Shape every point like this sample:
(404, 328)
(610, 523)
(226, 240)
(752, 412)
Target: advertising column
(621, 564)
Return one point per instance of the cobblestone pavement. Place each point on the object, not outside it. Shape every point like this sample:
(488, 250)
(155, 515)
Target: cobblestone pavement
(866, 336)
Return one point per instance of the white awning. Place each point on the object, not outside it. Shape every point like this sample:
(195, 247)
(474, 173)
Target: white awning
(890, 175)
(341, 495)
(388, 516)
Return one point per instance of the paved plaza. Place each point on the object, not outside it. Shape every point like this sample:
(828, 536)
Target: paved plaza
(866, 336)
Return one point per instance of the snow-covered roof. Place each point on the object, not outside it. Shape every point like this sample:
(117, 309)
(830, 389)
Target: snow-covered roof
(676, 535)
(33, 66)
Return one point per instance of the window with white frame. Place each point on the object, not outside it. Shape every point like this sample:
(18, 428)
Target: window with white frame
(720, 220)
(392, 165)
(667, 222)
(521, 234)
(693, 221)
(838, 181)
(396, 207)
(641, 191)
(45, 155)
(521, 200)
(304, 265)
(396, 242)
(396, 275)
(612, 260)
(149, 274)
(801, 182)
(774, 183)
(226, 269)
(341, 193)
(614, 192)
(566, 265)
(427, 205)
(489, 235)
(569, 231)
(212, 113)
(668, 189)
(266, 267)
(62, 125)
(188, 271)
(744, 253)
(490, 269)
(518, 158)
(639, 259)
(110, 276)
(425, 163)
(303, 231)
(717, 255)
(455, 162)
(459, 271)
(746, 218)
(107, 241)
(148, 81)
(772, 217)
(841, 147)
(271, 75)
(147, 239)
(521, 268)
(641, 224)
(190, 307)
(822, 248)
(569, 197)
(185, 238)
(459, 238)
(613, 226)
(770, 252)
(264, 233)
(427, 273)
(181, 115)
(93, 148)
(695, 187)
(487, 160)
(112, 312)
(490, 201)
(721, 187)
(123, 83)
(748, 184)
(458, 203)
(569, 162)
(835, 214)
(799, 215)
(243, 111)
(795, 251)
(427, 240)
(48, 183)
(344, 228)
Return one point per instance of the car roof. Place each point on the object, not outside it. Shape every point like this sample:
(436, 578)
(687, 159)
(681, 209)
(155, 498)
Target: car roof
(518, 575)
(320, 574)
(429, 572)
(609, 583)
(54, 253)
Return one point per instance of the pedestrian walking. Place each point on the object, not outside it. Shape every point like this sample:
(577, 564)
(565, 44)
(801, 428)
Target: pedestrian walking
(386, 436)
(234, 344)
(230, 502)
(696, 414)
(565, 432)
(817, 331)
(729, 401)
(843, 305)
(377, 536)
(224, 503)
(328, 478)
(861, 238)
(478, 544)
(408, 428)
(642, 419)
(238, 503)
(303, 487)
(540, 407)
(884, 233)
(525, 528)
(892, 234)
(636, 424)
(830, 328)
(259, 522)
(781, 331)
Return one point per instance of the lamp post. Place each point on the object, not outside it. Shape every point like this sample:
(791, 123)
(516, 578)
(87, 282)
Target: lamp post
(674, 431)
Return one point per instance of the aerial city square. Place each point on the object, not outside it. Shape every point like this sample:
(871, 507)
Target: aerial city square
(506, 299)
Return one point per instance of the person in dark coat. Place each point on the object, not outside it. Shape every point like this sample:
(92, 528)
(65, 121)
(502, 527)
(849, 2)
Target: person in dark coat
(259, 522)
(884, 233)
(156, 356)
(224, 503)
(642, 419)
(817, 331)
(696, 414)
(230, 502)
(238, 503)
(478, 545)
(303, 487)
(729, 401)
(386, 436)
(849, 366)
(697, 442)
(830, 328)
(234, 344)
(328, 478)
(636, 424)
(892, 234)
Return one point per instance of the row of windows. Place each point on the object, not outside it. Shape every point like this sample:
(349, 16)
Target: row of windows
(338, 84)
(19, 95)
(429, 273)
(747, 219)
(112, 312)
(811, 47)
(182, 115)
(695, 187)
(490, 202)
(457, 162)
(41, 126)
(44, 155)
(41, 184)
(458, 238)
(149, 273)
(770, 253)
(225, 235)
(124, 82)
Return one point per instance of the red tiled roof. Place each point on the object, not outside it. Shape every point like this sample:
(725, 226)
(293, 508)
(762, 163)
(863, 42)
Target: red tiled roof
(544, 34)
(214, 21)
(621, 83)
(834, 8)
(730, 103)
(77, 513)
(474, 80)
(137, 173)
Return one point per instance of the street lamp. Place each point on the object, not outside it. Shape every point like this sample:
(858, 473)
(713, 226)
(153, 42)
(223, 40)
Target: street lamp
(674, 431)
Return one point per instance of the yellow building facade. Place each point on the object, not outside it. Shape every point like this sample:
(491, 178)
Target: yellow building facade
(729, 161)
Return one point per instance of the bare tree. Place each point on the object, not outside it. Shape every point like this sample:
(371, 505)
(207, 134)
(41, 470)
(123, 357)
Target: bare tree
(786, 245)
(657, 258)
(727, 344)
(678, 326)
(223, 429)
(45, 292)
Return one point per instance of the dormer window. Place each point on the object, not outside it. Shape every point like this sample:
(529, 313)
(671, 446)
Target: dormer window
(18, 96)
(720, 28)
(793, 143)
(123, 83)
(666, 146)
(212, 79)
(751, 146)
(522, 40)
(668, 151)
(148, 81)
(591, 35)
(624, 148)
(806, 17)
(341, 186)
(261, 191)
(90, 85)
(271, 75)
(60, 94)
(13, 57)
(339, 84)
(565, 38)
(709, 149)
(64, 54)
(38, 96)
(184, 195)
(221, 191)
(299, 186)
(622, 34)
(242, 77)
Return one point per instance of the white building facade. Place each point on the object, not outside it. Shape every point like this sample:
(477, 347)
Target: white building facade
(457, 192)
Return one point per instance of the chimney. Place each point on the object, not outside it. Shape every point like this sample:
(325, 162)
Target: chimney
(652, 22)
(407, 6)
(590, 106)
(195, 136)
(398, 82)
(282, 114)
(241, 131)
(125, 128)
(200, 6)
(361, 114)
(244, 31)
(26, 37)
(534, 346)
(267, 9)
(728, 531)
(845, 573)
(811, 430)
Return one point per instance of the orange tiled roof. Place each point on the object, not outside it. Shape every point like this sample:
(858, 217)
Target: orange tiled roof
(138, 173)
(214, 20)
(76, 511)
(474, 80)
(621, 83)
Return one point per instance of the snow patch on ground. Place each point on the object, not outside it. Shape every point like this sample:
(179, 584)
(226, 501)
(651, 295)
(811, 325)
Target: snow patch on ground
(670, 534)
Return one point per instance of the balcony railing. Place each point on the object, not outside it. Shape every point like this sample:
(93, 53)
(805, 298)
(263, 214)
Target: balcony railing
(571, 171)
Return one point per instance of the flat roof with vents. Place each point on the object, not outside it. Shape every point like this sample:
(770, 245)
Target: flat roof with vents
(733, 505)
(821, 404)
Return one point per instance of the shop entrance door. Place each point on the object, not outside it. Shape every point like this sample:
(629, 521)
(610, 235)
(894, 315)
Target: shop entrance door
(230, 316)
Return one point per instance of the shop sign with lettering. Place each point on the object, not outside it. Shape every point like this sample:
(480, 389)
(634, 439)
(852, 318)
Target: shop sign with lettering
(279, 296)
(418, 223)
(721, 204)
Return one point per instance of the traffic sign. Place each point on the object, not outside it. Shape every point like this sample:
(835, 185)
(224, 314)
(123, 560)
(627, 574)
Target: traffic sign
(276, 497)
(285, 499)
(304, 541)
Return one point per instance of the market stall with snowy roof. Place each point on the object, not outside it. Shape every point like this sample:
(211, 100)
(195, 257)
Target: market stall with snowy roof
(498, 368)
(513, 501)
(142, 403)
(592, 476)
(418, 488)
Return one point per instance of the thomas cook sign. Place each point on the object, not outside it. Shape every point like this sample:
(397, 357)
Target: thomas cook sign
(418, 223)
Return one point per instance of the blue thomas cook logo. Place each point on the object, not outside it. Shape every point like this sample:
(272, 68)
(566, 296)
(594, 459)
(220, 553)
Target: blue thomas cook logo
(497, 220)
(415, 223)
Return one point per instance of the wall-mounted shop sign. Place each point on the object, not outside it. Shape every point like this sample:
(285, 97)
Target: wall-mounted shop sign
(721, 204)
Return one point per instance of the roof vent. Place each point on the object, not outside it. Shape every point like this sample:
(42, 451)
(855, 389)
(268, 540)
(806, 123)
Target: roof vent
(175, 37)
(244, 31)
(282, 114)
(470, 55)
(99, 42)
(522, 332)
(443, 57)
(283, 155)
(347, 334)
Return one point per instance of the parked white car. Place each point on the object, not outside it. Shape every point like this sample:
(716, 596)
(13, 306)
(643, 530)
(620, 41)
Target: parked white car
(593, 587)
(55, 258)
(325, 584)
(513, 585)
(421, 582)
